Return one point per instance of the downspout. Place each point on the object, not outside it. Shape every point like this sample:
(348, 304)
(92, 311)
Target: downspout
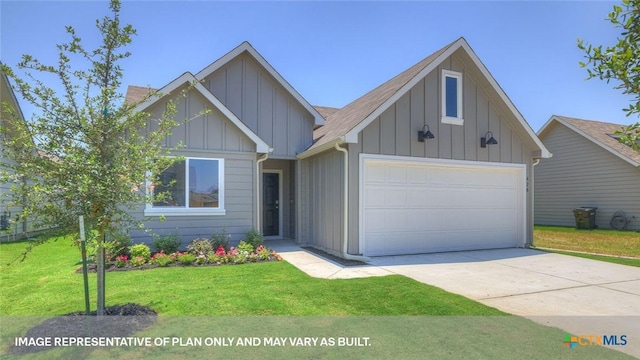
(532, 187)
(345, 211)
(262, 159)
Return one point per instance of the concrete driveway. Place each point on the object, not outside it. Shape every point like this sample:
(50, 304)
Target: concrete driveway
(580, 296)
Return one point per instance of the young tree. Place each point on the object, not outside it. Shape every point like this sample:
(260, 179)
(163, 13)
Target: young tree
(85, 151)
(620, 61)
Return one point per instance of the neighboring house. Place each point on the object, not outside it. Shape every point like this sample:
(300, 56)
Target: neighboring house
(589, 168)
(362, 183)
(11, 226)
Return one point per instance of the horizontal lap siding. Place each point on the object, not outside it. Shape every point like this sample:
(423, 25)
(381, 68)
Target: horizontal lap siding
(581, 173)
(264, 105)
(239, 205)
(210, 135)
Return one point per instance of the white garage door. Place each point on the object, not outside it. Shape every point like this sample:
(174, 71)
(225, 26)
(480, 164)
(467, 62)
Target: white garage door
(418, 206)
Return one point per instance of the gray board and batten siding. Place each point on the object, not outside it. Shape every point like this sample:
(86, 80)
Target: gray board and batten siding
(583, 174)
(264, 105)
(395, 131)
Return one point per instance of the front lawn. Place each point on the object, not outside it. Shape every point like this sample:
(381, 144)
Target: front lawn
(251, 305)
(605, 242)
(47, 284)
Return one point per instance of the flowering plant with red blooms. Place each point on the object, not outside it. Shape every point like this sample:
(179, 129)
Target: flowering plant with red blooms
(220, 251)
(263, 252)
(121, 260)
(232, 252)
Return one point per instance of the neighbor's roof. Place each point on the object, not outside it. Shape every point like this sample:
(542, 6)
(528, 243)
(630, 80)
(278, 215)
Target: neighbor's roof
(137, 93)
(345, 125)
(598, 132)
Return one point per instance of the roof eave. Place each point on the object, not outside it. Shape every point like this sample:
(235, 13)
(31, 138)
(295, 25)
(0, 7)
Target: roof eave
(324, 147)
(352, 135)
(555, 118)
(188, 78)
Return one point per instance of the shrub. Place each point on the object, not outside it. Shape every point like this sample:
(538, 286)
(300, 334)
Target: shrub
(263, 252)
(166, 243)
(140, 250)
(221, 238)
(121, 260)
(117, 246)
(186, 258)
(200, 246)
(162, 259)
(254, 238)
(138, 260)
(245, 246)
(201, 259)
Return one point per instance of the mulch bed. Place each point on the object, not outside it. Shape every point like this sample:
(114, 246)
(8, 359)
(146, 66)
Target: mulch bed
(119, 321)
(91, 267)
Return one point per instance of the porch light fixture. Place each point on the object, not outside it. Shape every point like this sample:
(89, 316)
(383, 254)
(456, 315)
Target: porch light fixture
(422, 134)
(491, 141)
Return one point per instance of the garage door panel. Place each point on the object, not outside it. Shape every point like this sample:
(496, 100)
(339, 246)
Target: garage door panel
(413, 207)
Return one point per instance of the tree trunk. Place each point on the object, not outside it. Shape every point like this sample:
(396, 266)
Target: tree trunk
(100, 270)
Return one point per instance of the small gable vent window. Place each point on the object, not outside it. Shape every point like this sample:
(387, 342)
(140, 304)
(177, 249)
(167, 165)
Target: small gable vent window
(452, 98)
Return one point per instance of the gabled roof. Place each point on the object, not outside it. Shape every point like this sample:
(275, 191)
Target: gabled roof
(345, 125)
(597, 132)
(246, 47)
(326, 111)
(188, 79)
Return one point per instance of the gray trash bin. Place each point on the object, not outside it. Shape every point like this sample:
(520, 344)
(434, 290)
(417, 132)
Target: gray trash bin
(585, 217)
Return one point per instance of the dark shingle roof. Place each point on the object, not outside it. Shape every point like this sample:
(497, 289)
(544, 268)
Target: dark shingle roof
(326, 111)
(342, 121)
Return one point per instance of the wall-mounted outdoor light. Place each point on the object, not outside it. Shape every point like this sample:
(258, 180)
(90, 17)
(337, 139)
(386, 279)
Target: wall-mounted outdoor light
(422, 134)
(487, 139)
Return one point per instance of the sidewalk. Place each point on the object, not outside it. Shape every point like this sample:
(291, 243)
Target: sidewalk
(320, 267)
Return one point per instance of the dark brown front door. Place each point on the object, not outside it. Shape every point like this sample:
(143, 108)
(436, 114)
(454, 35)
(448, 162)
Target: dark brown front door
(270, 204)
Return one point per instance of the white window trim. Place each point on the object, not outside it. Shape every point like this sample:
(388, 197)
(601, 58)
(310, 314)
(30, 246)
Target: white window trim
(150, 210)
(443, 92)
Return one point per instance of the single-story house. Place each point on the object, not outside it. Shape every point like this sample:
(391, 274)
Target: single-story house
(436, 159)
(590, 167)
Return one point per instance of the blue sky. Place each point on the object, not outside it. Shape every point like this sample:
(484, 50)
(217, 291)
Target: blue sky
(334, 52)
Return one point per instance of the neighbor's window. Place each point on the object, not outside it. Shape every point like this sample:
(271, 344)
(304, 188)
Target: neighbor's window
(190, 186)
(452, 98)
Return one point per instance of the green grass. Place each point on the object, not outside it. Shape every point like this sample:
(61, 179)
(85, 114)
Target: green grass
(46, 283)
(611, 259)
(602, 242)
(401, 317)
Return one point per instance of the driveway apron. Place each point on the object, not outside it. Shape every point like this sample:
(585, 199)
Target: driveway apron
(580, 296)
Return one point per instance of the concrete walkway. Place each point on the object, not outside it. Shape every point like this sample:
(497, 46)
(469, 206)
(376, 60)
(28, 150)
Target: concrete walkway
(580, 296)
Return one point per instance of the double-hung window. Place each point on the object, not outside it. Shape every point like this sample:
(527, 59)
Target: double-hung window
(452, 98)
(193, 186)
